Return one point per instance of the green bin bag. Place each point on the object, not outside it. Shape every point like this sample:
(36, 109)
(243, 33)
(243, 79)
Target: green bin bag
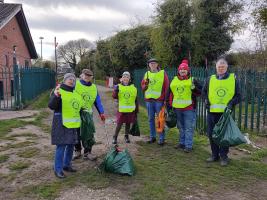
(87, 129)
(118, 162)
(226, 133)
(171, 118)
(135, 131)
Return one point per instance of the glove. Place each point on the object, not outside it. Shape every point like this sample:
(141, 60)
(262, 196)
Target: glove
(56, 91)
(102, 117)
(193, 87)
(230, 106)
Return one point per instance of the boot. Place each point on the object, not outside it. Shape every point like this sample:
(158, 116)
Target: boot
(126, 138)
(114, 141)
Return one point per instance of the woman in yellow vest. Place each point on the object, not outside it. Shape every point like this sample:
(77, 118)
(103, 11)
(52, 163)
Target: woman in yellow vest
(126, 93)
(155, 85)
(183, 91)
(66, 105)
(220, 91)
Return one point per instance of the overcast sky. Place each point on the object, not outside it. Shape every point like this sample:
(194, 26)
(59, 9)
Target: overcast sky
(90, 19)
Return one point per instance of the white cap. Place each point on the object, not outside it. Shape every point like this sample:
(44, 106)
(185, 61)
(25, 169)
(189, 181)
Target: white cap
(126, 74)
(220, 62)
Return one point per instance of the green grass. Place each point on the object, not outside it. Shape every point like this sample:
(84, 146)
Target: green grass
(17, 145)
(7, 125)
(31, 135)
(3, 158)
(18, 166)
(166, 173)
(40, 102)
(29, 153)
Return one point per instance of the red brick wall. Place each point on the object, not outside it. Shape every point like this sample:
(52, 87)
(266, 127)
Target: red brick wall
(11, 35)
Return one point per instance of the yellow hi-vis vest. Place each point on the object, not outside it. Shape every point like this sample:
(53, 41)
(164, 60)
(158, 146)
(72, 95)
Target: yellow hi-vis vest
(220, 92)
(71, 106)
(127, 96)
(182, 94)
(155, 84)
(88, 94)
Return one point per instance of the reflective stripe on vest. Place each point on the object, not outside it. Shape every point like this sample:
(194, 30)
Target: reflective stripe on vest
(220, 92)
(127, 96)
(182, 94)
(71, 106)
(155, 84)
(88, 94)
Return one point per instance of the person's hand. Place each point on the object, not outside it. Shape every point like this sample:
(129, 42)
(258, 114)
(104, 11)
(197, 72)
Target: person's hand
(102, 117)
(56, 91)
(193, 86)
(229, 106)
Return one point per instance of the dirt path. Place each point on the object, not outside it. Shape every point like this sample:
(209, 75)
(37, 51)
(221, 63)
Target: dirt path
(29, 154)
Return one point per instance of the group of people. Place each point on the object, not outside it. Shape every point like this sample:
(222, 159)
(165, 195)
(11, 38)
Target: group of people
(220, 91)
(73, 99)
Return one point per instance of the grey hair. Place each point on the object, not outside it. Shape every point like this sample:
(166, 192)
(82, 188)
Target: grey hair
(221, 61)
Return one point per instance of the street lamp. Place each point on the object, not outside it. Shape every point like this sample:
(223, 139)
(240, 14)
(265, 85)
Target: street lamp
(41, 38)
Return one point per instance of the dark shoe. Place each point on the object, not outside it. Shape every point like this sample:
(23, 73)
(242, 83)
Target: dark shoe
(60, 175)
(224, 162)
(179, 146)
(187, 150)
(161, 143)
(212, 159)
(77, 155)
(126, 138)
(152, 140)
(69, 169)
(114, 141)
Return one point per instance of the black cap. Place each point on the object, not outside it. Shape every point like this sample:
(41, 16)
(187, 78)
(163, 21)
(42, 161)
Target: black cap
(152, 60)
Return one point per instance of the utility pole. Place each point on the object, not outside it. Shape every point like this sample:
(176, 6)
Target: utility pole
(41, 38)
(56, 54)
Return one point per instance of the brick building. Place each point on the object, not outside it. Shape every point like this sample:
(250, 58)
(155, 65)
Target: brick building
(16, 44)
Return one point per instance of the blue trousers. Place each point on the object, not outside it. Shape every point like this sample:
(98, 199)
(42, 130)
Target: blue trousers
(217, 151)
(186, 123)
(63, 156)
(153, 108)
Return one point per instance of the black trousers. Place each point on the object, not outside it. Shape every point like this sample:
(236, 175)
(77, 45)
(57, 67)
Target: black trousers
(80, 144)
(216, 150)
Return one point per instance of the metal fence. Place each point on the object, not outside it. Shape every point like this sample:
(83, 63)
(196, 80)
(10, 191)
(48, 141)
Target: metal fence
(250, 114)
(19, 85)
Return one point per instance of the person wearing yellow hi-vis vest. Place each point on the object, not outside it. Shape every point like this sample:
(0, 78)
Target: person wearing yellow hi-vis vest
(183, 92)
(155, 86)
(89, 94)
(221, 91)
(126, 93)
(66, 104)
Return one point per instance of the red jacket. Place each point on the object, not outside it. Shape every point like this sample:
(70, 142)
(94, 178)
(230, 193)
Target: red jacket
(164, 91)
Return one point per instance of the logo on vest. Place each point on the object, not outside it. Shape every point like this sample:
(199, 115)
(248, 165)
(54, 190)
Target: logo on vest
(180, 90)
(152, 81)
(126, 95)
(75, 104)
(221, 92)
(86, 97)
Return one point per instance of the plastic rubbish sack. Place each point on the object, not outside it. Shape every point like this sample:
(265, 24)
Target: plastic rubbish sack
(160, 120)
(118, 161)
(87, 129)
(226, 133)
(135, 131)
(171, 118)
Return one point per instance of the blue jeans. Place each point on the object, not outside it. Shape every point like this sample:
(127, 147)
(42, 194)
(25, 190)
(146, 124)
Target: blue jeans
(186, 123)
(63, 156)
(217, 151)
(153, 108)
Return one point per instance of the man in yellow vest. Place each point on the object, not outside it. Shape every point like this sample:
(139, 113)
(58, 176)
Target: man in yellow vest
(155, 85)
(220, 91)
(90, 97)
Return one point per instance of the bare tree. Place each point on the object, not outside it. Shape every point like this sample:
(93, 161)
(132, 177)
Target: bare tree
(74, 51)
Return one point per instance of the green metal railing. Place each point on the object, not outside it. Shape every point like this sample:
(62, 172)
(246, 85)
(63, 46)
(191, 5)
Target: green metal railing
(250, 114)
(27, 84)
